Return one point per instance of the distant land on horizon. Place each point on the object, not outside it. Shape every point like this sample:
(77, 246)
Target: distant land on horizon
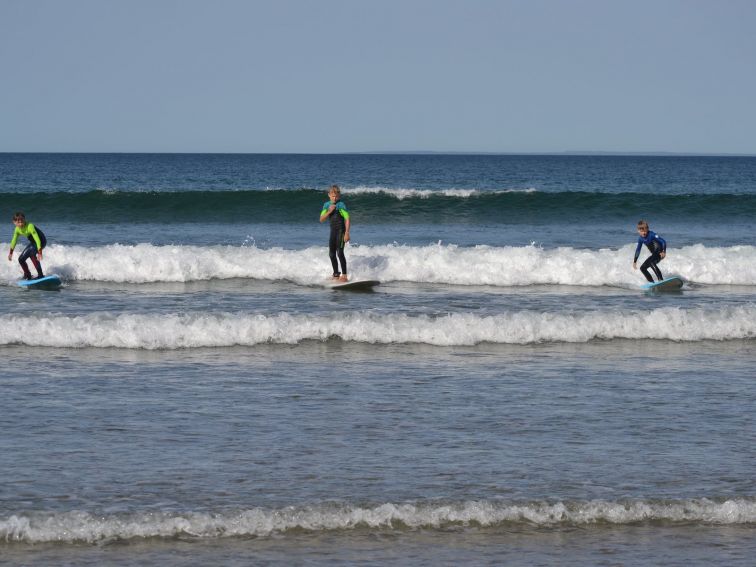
(564, 153)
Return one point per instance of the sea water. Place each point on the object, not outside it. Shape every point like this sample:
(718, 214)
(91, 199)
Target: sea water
(508, 394)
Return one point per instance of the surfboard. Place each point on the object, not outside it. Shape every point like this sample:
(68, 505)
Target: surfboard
(357, 285)
(673, 283)
(48, 282)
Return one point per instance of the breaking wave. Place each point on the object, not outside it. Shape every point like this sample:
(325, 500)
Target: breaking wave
(437, 264)
(89, 527)
(196, 330)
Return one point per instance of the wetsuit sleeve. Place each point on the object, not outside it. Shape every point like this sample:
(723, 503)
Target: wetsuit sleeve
(662, 242)
(638, 249)
(14, 239)
(324, 213)
(35, 236)
(343, 210)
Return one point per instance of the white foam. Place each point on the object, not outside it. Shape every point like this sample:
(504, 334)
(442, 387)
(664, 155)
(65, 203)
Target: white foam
(442, 264)
(402, 193)
(174, 331)
(81, 526)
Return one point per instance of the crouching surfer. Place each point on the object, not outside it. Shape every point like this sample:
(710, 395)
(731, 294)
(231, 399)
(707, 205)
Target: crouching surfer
(33, 250)
(656, 245)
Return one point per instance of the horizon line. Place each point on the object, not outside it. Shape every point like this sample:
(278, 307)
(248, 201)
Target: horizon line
(412, 152)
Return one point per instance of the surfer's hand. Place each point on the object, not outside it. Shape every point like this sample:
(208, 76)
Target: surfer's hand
(39, 255)
(331, 208)
(635, 265)
(10, 255)
(662, 254)
(346, 237)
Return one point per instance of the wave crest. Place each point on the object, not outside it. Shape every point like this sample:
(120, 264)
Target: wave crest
(437, 264)
(81, 526)
(197, 330)
(377, 205)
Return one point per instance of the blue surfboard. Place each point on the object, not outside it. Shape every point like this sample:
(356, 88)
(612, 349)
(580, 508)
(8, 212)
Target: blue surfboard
(48, 282)
(673, 283)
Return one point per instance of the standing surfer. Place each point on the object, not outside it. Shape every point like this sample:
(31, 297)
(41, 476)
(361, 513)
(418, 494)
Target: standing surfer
(336, 210)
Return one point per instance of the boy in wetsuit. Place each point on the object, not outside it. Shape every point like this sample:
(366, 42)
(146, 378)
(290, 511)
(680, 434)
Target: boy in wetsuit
(658, 247)
(33, 250)
(336, 210)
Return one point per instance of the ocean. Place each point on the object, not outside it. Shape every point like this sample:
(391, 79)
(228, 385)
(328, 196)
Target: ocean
(194, 394)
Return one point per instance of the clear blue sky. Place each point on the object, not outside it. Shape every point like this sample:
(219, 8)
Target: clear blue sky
(335, 76)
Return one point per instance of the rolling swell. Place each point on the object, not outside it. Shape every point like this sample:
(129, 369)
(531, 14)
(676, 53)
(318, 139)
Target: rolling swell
(377, 206)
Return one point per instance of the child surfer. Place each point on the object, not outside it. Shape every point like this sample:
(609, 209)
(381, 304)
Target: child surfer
(658, 247)
(33, 250)
(336, 210)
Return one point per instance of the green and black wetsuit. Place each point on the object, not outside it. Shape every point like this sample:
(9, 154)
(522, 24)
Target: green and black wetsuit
(37, 242)
(338, 218)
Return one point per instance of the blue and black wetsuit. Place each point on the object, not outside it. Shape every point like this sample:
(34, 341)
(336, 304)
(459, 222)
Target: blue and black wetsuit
(338, 219)
(656, 245)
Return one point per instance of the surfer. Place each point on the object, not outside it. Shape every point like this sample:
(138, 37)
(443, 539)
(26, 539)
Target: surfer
(337, 211)
(33, 250)
(658, 247)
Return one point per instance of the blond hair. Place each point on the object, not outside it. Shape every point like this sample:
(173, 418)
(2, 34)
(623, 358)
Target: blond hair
(335, 189)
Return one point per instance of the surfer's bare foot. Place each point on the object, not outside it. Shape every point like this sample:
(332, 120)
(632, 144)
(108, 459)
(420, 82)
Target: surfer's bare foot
(343, 278)
(335, 277)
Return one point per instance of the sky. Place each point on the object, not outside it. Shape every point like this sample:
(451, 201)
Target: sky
(329, 76)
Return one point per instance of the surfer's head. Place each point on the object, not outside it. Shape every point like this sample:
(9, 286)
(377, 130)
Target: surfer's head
(19, 219)
(334, 193)
(642, 228)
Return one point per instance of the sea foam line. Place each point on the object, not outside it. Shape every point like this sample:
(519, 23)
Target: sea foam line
(437, 263)
(410, 193)
(195, 330)
(88, 527)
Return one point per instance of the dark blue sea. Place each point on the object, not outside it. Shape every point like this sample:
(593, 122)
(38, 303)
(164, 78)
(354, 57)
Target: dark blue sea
(196, 394)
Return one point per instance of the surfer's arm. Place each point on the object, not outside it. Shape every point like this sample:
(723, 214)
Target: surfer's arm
(347, 221)
(35, 236)
(14, 239)
(13, 243)
(637, 250)
(37, 241)
(663, 246)
(32, 232)
(327, 210)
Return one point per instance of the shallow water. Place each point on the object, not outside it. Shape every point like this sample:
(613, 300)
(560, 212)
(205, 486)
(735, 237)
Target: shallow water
(193, 396)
